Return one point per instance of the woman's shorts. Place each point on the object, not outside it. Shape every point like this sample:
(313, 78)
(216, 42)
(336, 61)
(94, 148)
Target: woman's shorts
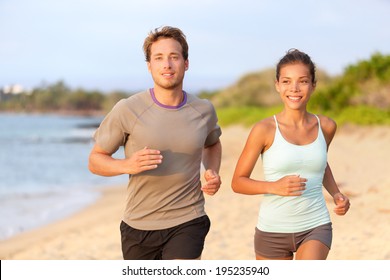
(276, 245)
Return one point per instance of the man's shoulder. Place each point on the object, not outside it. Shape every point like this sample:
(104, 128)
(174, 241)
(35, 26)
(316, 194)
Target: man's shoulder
(136, 100)
(198, 102)
(139, 96)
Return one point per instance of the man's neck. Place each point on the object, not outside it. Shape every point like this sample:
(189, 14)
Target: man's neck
(169, 97)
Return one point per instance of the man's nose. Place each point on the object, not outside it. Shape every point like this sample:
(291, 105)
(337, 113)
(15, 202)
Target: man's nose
(167, 63)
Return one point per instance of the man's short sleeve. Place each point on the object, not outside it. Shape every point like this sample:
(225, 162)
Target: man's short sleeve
(110, 135)
(214, 129)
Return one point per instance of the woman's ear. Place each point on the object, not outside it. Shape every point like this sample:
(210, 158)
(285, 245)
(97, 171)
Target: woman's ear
(277, 86)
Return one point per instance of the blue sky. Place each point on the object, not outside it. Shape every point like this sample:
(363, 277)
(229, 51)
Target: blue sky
(97, 44)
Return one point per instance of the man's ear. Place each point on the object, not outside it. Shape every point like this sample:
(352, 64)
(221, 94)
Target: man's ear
(187, 64)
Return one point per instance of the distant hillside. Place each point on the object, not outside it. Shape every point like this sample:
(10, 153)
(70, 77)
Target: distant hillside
(256, 89)
(59, 98)
(252, 89)
(366, 83)
(360, 95)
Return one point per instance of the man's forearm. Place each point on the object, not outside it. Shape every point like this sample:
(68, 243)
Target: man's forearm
(211, 157)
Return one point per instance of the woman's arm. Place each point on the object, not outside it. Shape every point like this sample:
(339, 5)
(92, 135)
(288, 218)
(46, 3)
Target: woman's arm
(259, 139)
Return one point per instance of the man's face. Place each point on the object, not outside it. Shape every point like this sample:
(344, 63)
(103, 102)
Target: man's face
(167, 64)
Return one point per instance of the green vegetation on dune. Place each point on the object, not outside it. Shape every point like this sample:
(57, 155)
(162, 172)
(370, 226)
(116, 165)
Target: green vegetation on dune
(59, 97)
(249, 115)
(361, 95)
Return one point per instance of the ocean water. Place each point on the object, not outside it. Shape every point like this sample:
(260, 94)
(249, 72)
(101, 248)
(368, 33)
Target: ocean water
(44, 172)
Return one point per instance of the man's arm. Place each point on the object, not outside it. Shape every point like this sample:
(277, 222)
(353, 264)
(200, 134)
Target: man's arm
(102, 163)
(211, 159)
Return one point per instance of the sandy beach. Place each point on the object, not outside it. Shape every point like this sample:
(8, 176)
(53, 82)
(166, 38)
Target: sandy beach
(360, 161)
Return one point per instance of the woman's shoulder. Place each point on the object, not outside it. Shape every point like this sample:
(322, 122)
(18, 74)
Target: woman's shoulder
(261, 135)
(328, 126)
(263, 131)
(327, 123)
(264, 125)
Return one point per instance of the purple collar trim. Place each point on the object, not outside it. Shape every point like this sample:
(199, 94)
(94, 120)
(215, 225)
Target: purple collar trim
(167, 106)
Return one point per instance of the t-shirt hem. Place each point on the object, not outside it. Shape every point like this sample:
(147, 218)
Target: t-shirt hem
(159, 225)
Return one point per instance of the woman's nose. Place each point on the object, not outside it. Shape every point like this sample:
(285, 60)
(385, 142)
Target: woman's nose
(294, 87)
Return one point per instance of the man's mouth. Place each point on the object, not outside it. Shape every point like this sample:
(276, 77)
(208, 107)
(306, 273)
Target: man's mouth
(167, 74)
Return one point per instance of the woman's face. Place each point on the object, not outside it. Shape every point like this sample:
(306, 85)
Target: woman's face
(295, 85)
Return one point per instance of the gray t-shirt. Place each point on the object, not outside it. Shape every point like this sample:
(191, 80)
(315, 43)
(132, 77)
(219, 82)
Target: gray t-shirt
(170, 194)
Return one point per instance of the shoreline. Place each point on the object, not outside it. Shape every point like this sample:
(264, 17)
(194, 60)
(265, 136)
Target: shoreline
(62, 112)
(25, 211)
(358, 156)
(105, 206)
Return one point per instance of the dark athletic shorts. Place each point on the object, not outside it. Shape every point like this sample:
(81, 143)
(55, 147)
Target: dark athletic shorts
(274, 245)
(183, 241)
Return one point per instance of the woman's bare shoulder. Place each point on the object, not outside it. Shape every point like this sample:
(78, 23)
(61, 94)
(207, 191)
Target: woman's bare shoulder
(262, 134)
(264, 126)
(328, 126)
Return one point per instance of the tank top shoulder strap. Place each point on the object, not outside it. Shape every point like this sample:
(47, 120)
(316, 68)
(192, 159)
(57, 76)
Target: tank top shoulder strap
(277, 131)
(320, 133)
(276, 125)
(276, 121)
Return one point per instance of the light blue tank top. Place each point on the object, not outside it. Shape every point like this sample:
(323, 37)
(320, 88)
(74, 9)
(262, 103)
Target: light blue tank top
(289, 214)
